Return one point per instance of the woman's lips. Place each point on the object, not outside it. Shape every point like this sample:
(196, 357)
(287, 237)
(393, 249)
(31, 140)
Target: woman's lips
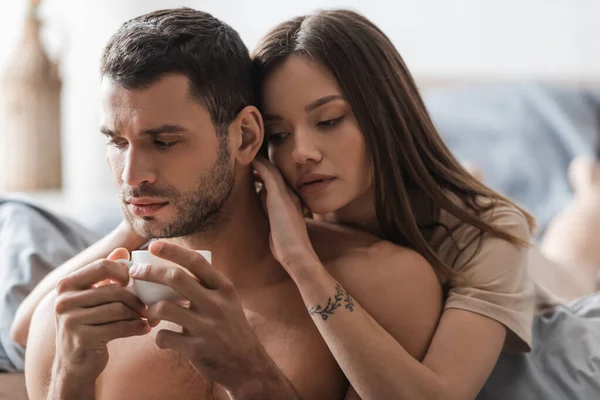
(315, 187)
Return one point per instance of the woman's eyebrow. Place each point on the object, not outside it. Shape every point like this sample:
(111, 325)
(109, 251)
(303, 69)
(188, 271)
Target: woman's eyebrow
(310, 107)
(322, 101)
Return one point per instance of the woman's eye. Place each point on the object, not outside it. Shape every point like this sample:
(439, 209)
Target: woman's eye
(330, 122)
(165, 145)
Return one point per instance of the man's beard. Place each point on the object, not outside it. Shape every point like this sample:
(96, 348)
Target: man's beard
(198, 210)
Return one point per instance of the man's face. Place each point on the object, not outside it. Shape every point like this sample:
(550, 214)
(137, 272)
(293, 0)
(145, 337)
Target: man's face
(173, 170)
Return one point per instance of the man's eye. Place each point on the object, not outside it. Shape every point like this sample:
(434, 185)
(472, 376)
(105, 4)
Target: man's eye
(119, 144)
(165, 145)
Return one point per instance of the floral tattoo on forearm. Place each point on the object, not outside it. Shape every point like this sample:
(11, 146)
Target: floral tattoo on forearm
(333, 304)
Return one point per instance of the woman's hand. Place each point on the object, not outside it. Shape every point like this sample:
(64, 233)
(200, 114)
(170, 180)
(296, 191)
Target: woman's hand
(288, 239)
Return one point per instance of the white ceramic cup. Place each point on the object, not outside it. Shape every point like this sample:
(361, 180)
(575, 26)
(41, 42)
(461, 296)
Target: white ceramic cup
(150, 292)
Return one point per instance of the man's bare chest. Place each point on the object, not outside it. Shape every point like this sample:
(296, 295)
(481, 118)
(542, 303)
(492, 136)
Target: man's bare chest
(137, 368)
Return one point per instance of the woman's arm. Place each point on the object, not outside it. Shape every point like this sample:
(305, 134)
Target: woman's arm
(379, 347)
(122, 236)
(381, 342)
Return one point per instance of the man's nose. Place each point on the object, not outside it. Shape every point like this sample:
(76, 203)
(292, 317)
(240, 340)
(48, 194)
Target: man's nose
(305, 148)
(138, 169)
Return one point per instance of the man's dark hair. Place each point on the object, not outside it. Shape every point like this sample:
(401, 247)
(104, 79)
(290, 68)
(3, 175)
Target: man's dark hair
(193, 43)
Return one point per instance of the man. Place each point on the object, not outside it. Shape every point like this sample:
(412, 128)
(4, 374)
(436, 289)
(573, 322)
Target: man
(182, 135)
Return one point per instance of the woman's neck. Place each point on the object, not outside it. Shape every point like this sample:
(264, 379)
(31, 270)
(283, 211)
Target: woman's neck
(362, 214)
(359, 213)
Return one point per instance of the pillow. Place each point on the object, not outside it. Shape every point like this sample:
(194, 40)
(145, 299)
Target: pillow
(32, 243)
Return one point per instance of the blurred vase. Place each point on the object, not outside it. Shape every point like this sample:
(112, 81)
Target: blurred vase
(30, 140)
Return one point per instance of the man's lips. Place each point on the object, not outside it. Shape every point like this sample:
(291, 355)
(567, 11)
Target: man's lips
(144, 208)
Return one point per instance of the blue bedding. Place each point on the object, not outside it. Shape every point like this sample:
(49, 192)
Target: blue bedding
(522, 135)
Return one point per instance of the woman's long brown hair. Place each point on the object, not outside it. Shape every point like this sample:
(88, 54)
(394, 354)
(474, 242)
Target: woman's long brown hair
(408, 154)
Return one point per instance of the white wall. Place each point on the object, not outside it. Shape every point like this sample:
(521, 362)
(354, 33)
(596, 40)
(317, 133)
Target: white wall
(436, 37)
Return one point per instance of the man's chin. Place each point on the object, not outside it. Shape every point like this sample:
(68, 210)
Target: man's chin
(151, 227)
(147, 229)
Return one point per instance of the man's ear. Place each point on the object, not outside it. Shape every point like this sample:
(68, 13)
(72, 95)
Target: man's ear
(247, 133)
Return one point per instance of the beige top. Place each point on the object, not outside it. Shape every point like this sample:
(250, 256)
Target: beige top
(496, 281)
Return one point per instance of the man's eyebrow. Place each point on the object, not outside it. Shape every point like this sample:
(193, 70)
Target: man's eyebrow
(310, 107)
(163, 129)
(107, 132)
(148, 132)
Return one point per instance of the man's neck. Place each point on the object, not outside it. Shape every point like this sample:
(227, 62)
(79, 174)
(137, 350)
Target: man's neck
(240, 246)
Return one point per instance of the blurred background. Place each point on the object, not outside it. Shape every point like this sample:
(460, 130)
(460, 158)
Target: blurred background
(500, 77)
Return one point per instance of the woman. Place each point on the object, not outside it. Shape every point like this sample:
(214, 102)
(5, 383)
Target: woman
(345, 125)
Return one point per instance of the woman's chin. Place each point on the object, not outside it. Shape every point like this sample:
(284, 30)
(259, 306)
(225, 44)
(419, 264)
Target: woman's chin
(322, 207)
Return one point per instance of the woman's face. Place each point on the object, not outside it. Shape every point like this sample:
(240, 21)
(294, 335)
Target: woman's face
(313, 137)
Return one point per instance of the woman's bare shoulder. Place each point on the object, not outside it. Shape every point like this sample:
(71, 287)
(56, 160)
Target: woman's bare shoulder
(333, 241)
(343, 248)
